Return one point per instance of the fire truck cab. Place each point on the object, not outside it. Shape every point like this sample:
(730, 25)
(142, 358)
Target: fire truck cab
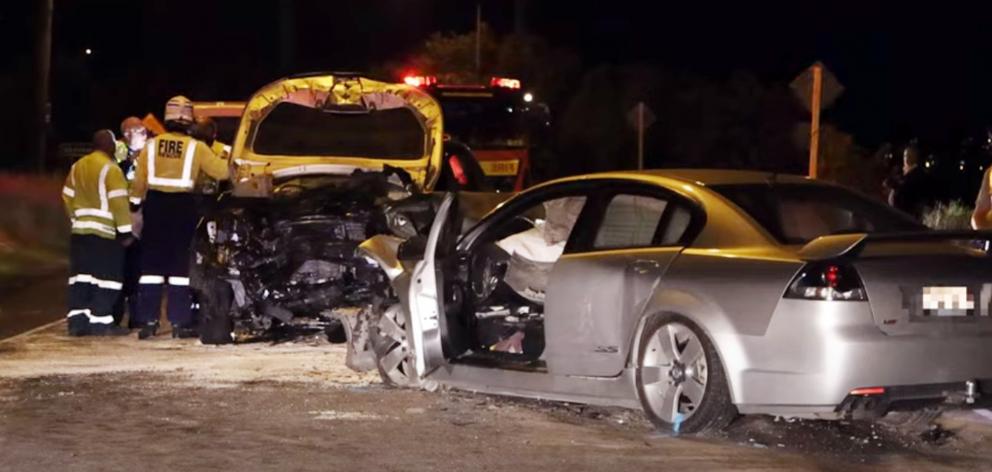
(499, 121)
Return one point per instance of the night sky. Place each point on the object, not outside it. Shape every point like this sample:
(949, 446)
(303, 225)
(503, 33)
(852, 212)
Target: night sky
(925, 73)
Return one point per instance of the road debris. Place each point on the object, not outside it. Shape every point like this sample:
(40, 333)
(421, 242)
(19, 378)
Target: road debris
(333, 415)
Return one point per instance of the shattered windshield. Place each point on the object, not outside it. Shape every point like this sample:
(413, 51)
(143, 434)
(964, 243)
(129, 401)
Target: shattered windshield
(295, 130)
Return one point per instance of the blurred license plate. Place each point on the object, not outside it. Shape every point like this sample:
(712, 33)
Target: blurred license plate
(947, 301)
(500, 168)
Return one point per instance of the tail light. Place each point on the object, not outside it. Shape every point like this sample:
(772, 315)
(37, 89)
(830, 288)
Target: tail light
(830, 281)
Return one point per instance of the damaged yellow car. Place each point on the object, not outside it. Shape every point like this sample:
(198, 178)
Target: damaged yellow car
(321, 163)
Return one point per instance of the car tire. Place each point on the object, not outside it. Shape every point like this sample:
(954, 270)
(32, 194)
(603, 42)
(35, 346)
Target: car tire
(680, 380)
(335, 332)
(393, 360)
(216, 324)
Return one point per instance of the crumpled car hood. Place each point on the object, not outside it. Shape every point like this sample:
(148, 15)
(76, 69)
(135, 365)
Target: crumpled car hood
(345, 93)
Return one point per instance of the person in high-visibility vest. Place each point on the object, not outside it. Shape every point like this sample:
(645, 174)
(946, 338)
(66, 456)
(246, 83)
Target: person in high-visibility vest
(205, 129)
(163, 189)
(134, 137)
(981, 218)
(95, 198)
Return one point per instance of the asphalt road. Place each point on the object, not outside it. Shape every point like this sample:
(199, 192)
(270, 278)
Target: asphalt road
(164, 404)
(28, 304)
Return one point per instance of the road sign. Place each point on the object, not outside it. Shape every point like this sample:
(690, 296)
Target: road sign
(636, 112)
(831, 88)
(640, 117)
(817, 88)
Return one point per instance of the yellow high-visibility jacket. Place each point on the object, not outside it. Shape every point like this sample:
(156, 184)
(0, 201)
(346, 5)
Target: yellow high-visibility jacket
(221, 149)
(171, 162)
(95, 197)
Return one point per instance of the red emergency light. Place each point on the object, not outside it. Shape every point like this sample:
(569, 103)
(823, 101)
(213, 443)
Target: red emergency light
(420, 80)
(504, 82)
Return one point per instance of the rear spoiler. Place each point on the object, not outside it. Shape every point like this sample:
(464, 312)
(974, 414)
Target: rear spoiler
(850, 245)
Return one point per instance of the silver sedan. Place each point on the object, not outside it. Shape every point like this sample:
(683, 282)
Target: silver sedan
(696, 295)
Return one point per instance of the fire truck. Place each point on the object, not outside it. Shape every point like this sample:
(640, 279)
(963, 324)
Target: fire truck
(499, 121)
(227, 116)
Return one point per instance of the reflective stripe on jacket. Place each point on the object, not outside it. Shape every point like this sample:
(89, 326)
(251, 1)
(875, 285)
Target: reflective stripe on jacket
(95, 197)
(171, 162)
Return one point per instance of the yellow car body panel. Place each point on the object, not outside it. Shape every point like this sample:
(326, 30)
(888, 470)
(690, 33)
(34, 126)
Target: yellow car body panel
(322, 90)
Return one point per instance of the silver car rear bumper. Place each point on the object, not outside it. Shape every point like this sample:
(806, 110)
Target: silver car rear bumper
(814, 353)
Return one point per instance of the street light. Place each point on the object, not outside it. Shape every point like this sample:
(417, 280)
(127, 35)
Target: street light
(88, 51)
(528, 97)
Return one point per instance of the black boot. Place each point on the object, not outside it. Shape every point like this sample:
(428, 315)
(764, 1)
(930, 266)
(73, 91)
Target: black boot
(79, 325)
(185, 332)
(107, 330)
(148, 330)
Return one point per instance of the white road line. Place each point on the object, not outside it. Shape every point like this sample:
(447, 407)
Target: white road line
(984, 413)
(32, 331)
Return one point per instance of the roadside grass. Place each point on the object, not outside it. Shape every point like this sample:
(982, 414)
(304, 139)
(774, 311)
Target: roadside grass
(948, 216)
(34, 231)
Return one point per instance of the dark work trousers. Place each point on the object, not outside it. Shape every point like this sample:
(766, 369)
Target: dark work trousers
(95, 278)
(170, 221)
(129, 294)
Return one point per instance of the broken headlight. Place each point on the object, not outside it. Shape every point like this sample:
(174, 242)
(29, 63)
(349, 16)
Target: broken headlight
(400, 224)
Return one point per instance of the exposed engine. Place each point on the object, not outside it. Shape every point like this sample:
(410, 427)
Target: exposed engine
(291, 260)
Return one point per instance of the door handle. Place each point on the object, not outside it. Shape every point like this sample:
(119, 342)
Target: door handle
(642, 267)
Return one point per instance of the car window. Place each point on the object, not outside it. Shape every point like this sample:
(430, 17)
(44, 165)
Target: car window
(630, 221)
(800, 213)
(677, 225)
(541, 231)
(296, 130)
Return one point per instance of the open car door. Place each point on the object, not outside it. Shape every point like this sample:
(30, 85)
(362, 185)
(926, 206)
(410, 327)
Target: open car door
(426, 296)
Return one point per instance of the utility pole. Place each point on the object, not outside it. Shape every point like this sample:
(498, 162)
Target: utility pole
(640, 118)
(640, 136)
(814, 128)
(287, 35)
(478, 39)
(520, 16)
(816, 88)
(43, 71)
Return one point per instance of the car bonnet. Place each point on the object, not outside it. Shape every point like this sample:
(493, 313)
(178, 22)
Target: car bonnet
(345, 92)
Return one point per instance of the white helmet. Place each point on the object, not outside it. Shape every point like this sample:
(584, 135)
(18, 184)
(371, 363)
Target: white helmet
(179, 108)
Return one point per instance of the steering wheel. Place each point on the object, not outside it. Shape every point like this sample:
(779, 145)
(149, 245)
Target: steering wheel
(488, 267)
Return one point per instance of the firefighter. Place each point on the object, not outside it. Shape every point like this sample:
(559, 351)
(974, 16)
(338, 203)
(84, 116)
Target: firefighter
(981, 218)
(205, 130)
(163, 189)
(134, 136)
(95, 198)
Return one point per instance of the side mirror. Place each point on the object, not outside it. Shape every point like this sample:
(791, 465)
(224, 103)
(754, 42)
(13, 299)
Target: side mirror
(412, 249)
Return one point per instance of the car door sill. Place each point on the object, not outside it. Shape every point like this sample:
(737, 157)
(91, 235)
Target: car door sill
(601, 391)
(501, 361)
